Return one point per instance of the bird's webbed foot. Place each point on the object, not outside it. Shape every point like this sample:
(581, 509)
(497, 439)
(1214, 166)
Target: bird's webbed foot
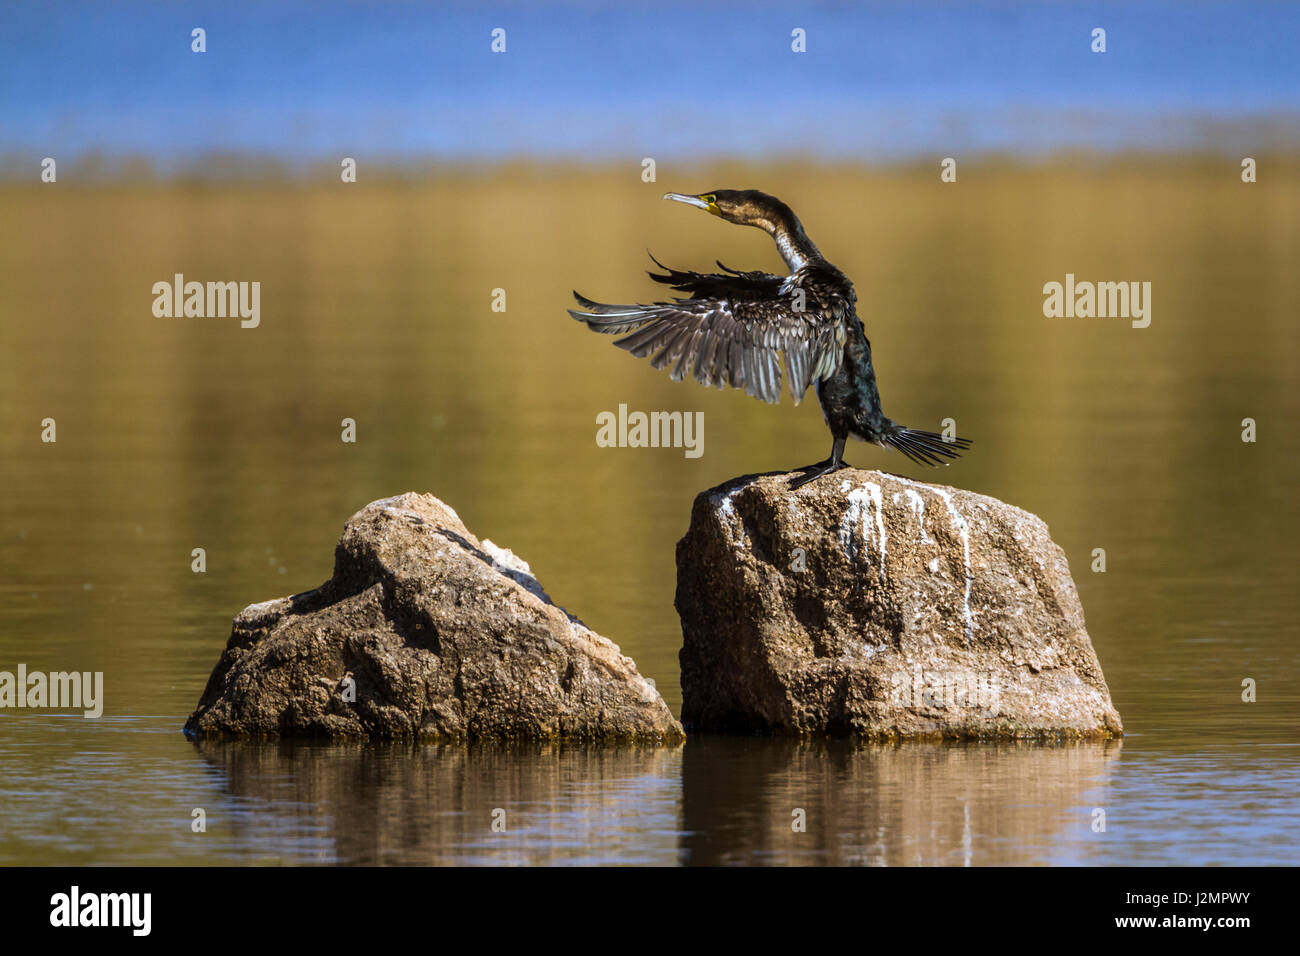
(812, 472)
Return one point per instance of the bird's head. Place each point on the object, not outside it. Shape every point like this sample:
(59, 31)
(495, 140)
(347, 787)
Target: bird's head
(745, 207)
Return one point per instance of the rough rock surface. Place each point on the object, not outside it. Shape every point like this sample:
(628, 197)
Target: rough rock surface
(869, 604)
(442, 636)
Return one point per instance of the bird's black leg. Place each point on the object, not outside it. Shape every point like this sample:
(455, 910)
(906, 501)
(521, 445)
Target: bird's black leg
(831, 464)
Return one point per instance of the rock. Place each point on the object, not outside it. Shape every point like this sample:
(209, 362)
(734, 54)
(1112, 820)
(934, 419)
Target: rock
(871, 605)
(443, 637)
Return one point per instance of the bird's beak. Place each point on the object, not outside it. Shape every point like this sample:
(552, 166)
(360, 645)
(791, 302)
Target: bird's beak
(689, 200)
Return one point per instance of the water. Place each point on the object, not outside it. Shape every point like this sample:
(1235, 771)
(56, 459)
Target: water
(186, 433)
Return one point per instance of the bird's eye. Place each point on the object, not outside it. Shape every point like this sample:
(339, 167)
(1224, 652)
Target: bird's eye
(710, 198)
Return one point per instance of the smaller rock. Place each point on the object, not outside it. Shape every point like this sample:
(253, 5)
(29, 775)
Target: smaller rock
(424, 631)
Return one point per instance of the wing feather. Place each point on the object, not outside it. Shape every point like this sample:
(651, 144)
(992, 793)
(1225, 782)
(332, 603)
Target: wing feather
(738, 329)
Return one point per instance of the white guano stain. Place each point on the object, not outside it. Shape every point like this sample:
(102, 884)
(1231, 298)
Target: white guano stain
(859, 515)
(735, 527)
(963, 530)
(917, 504)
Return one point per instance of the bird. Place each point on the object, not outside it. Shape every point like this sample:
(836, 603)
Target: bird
(735, 329)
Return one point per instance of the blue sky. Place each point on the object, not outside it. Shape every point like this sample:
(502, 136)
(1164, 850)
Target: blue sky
(399, 80)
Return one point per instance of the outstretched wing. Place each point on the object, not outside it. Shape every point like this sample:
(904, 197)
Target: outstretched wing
(735, 329)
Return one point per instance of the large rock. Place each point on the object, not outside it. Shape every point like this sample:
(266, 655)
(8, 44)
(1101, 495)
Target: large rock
(441, 635)
(868, 604)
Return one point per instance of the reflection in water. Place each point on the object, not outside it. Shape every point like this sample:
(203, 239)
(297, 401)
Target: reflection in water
(421, 804)
(714, 801)
(928, 804)
(125, 790)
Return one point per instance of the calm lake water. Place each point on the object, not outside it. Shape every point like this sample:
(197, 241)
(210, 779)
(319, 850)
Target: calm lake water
(175, 434)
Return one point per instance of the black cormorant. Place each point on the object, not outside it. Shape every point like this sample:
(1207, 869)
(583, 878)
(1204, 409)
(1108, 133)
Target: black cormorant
(735, 327)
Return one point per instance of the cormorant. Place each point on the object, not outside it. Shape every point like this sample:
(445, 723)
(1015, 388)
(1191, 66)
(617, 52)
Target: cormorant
(735, 327)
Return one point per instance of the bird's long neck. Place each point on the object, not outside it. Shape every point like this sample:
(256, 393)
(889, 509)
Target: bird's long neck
(791, 241)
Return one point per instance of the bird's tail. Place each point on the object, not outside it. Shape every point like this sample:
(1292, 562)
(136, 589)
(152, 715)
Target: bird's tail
(924, 448)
